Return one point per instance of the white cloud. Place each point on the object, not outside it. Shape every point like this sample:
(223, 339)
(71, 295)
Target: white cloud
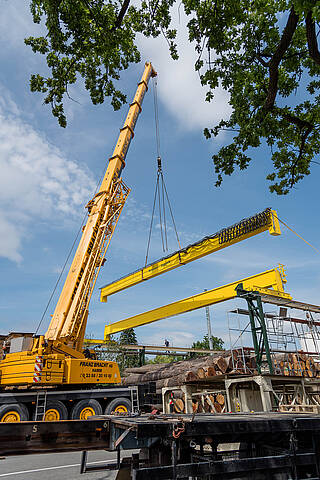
(10, 240)
(15, 24)
(178, 84)
(37, 182)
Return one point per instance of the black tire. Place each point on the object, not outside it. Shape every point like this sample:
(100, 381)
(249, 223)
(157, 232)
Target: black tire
(119, 405)
(86, 408)
(10, 411)
(55, 411)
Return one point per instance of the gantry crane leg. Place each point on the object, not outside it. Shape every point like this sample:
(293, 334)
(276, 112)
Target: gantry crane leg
(258, 326)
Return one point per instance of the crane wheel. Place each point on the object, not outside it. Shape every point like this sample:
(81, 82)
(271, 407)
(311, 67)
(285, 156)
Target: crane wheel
(55, 411)
(13, 412)
(118, 405)
(85, 409)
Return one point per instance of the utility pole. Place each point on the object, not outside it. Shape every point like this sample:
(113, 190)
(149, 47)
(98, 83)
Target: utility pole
(209, 326)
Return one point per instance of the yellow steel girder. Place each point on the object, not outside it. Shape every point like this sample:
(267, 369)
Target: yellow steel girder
(269, 282)
(266, 220)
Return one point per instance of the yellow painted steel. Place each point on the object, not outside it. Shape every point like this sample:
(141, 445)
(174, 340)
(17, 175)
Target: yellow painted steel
(18, 369)
(71, 310)
(121, 409)
(86, 412)
(52, 415)
(225, 238)
(269, 282)
(10, 417)
(61, 347)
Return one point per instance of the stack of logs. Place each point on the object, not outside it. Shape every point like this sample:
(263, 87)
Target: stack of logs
(200, 368)
(296, 365)
(209, 367)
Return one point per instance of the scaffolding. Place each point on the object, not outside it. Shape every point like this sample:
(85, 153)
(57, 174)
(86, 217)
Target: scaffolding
(290, 338)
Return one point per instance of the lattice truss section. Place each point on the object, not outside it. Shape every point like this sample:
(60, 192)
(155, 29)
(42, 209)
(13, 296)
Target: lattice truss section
(109, 215)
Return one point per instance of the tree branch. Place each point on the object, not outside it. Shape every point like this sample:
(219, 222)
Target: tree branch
(121, 15)
(277, 57)
(312, 38)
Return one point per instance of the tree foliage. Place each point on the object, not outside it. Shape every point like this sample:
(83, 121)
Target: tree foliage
(204, 344)
(263, 53)
(128, 359)
(165, 359)
(128, 337)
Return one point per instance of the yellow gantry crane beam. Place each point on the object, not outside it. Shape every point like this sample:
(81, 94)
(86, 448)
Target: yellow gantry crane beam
(269, 282)
(263, 221)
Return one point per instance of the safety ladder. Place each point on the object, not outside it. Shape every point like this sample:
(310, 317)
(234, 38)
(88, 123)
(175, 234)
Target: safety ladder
(41, 405)
(134, 399)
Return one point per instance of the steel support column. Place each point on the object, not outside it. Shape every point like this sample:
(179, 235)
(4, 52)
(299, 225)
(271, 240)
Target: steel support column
(258, 326)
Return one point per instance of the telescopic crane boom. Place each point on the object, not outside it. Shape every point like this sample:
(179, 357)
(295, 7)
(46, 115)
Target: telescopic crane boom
(60, 350)
(69, 319)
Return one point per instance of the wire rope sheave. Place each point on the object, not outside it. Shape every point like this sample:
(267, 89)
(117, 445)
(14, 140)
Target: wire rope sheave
(246, 228)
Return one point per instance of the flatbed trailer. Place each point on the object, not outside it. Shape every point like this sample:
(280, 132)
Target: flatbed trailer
(229, 446)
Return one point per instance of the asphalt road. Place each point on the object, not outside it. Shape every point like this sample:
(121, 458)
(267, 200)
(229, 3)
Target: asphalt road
(55, 466)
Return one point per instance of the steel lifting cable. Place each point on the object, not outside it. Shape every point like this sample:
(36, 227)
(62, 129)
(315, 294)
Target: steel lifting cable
(161, 193)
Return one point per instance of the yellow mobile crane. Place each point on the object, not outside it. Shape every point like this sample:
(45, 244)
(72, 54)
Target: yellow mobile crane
(57, 358)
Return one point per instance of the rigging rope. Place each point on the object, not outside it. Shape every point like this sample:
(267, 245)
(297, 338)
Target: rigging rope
(291, 229)
(161, 193)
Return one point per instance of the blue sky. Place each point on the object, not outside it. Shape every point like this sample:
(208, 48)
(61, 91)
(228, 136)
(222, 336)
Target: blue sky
(47, 175)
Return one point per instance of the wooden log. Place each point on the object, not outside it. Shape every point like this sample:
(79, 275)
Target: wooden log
(206, 405)
(131, 379)
(229, 363)
(295, 363)
(220, 364)
(207, 366)
(178, 405)
(195, 406)
(201, 372)
(210, 372)
(210, 400)
(143, 369)
(191, 376)
(309, 368)
(220, 399)
(177, 380)
(290, 368)
(303, 356)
